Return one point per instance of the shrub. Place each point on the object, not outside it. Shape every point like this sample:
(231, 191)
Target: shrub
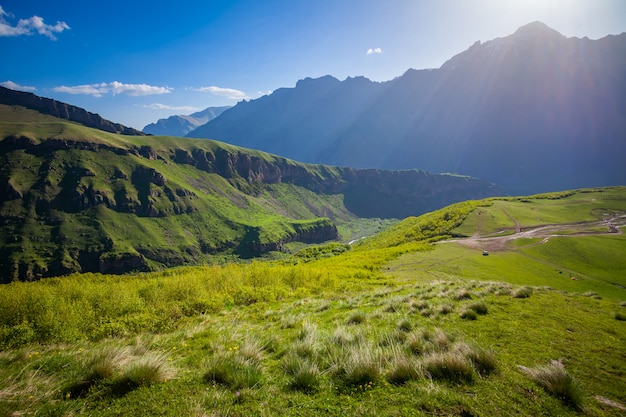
(556, 381)
(523, 292)
(450, 366)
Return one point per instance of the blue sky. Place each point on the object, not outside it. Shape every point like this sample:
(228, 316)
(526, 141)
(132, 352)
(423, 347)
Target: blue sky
(134, 62)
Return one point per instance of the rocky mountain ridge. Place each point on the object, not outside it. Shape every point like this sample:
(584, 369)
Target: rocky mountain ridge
(63, 111)
(533, 111)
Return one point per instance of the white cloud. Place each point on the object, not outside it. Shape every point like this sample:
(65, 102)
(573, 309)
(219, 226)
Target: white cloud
(265, 93)
(159, 106)
(374, 51)
(30, 26)
(14, 86)
(229, 93)
(115, 87)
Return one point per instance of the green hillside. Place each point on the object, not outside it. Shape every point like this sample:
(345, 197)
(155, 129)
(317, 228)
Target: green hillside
(414, 321)
(76, 199)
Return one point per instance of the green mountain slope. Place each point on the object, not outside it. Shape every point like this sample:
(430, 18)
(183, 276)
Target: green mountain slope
(77, 199)
(393, 326)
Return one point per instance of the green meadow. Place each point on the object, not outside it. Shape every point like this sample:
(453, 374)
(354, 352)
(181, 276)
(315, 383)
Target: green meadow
(412, 321)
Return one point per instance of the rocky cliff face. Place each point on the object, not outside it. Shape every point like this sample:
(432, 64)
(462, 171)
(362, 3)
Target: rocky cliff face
(63, 111)
(69, 204)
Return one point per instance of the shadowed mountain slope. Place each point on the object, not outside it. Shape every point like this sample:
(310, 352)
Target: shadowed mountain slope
(534, 111)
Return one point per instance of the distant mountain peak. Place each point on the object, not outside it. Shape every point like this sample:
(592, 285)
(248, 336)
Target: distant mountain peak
(324, 80)
(181, 125)
(536, 29)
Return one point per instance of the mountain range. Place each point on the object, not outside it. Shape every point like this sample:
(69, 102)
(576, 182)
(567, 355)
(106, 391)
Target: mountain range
(180, 125)
(534, 111)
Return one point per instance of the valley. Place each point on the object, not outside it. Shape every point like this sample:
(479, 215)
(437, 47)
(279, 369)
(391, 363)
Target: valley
(277, 241)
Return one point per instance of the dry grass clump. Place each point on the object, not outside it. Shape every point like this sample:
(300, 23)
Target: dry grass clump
(523, 292)
(479, 307)
(450, 366)
(147, 370)
(303, 373)
(252, 349)
(357, 366)
(556, 381)
(357, 317)
(468, 314)
(342, 337)
(405, 325)
(593, 295)
(483, 360)
(126, 371)
(445, 309)
(463, 294)
(427, 341)
(289, 321)
(233, 371)
(404, 368)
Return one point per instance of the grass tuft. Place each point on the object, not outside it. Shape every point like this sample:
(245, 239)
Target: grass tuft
(449, 366)
(357, 317)
(233, 371)
(404, 368)
(483, 360)
(405, 325)
(556, 381)
(523, 292)
(358, 366)
(147, 370)
(304, 375)
(479, 307)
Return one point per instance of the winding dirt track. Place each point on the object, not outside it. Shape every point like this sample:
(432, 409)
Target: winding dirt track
(495, 243)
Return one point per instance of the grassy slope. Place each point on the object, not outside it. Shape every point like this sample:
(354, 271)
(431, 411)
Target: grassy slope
(220, 212)
(276, 312)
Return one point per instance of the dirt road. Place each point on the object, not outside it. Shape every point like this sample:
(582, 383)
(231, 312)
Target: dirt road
(500, 240)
